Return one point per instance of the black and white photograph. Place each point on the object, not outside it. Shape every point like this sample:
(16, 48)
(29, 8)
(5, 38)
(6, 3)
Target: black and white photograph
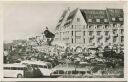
(63, 39)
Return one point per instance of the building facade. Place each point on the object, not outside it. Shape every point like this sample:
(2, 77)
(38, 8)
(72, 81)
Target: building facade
(89, 28)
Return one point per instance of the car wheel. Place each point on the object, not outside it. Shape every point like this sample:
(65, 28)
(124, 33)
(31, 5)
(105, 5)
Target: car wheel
(19, 76)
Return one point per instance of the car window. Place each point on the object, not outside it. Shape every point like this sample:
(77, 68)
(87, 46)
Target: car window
(69, 72)
(61, 72)
(49, 66)
(82, 72)
(74, 72)
(55, 72)
(14, 68)
(89, 72)
(7, 68)
(40, 66)
(45, 66)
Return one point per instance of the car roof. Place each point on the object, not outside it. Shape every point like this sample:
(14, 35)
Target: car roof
(35, 62)
(14, 65)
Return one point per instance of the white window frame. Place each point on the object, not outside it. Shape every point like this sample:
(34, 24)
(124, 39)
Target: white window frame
(105, 20)
(97, 20)
(121, 19)
(113, 19)
(89, 20)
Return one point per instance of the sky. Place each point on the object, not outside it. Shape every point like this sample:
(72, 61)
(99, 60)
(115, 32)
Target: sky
(25, 19)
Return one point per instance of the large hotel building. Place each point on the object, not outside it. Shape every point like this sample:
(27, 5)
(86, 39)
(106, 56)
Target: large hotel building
(89, 28)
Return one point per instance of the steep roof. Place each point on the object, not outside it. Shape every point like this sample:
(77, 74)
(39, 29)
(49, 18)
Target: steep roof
(61, 18)
(117, 14)
(71, 17)
(94, 15)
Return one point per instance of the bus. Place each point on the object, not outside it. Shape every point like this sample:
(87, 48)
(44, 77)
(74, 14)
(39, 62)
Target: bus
(14, 70)
(45, 67)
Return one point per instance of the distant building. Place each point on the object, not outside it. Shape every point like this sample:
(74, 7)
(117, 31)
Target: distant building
(89, 28)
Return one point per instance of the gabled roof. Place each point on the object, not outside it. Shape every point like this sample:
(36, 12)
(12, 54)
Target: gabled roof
(115, 13)
(71, 17)
(97, 16)
(94, 15)
(61, 18)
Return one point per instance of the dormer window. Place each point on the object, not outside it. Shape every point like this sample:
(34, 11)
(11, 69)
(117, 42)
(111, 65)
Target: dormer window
(105, 20)
(113, 19)
(89, 20)
(121, 19)
(97, 20)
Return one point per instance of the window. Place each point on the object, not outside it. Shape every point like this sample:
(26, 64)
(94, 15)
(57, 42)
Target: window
(114, 39)
(97, 20)
(113, 19)
(106, 33)
(84, 33)
(114, 31)
(55, 72)
(93, 44)
(106, 26)
(122, 31)
(98, 32)
(69, 72)
(84, 40)
(105, 20)
(122, 38)
(90, 26)
(114, 25)
(98, 41)
(72, 33)
(90, 33)
(121, 19)
(72, 26)
(13, 68)
(89, 72)
(45, 66)
(90, 40)
(72, 40)
(78, 19)
(6, 68)
(99, 26)
(74, 72)
(40, 66)
(89, 20)
(106, 40)
(61, 72)
(82, 72)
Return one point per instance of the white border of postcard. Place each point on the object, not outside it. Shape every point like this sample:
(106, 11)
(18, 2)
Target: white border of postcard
(67, 79)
